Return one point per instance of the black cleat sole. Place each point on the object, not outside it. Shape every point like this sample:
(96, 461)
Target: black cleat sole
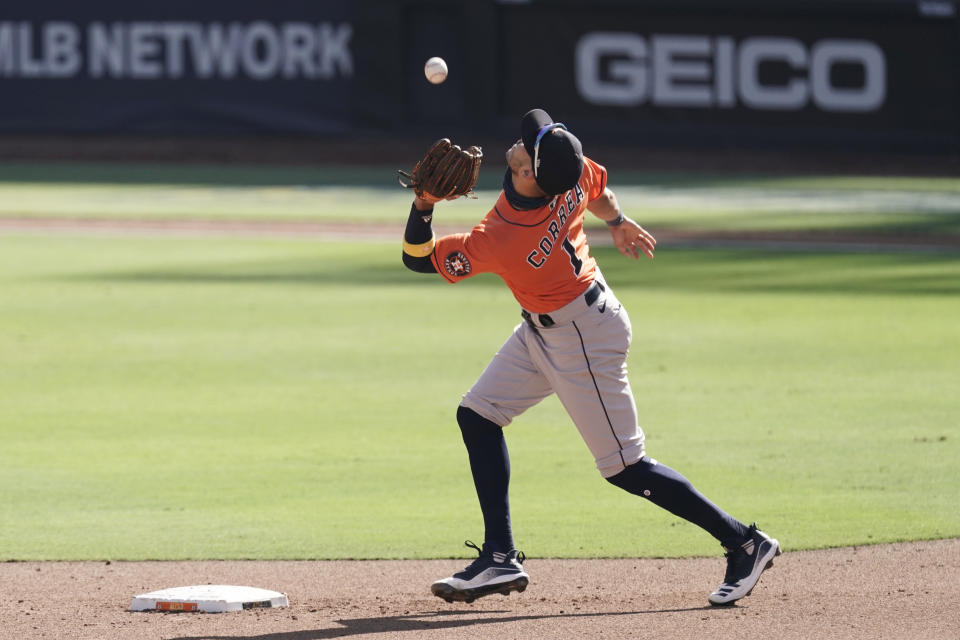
(448, 593)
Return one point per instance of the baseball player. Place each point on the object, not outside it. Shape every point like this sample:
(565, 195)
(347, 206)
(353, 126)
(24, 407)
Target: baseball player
(572, 341)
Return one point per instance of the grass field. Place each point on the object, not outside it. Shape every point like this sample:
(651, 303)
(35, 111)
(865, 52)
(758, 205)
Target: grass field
(884, 205)
(238, 397)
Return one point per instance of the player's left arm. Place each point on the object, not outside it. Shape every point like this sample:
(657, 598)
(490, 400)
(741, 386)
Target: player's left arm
(628, 236)
(418, 237)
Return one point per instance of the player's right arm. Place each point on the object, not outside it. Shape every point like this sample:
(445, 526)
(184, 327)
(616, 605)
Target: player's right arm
(628, 236)
(418, 238)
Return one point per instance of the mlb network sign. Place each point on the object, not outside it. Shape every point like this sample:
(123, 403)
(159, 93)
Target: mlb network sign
(143, 50)
(710, 72)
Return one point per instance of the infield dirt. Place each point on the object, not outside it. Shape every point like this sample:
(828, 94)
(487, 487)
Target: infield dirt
(909, 590)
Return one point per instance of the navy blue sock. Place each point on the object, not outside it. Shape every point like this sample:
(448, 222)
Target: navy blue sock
(490, 465)
(668, 489)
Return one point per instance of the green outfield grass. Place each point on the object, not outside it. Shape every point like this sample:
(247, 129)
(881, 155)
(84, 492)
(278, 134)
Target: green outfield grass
(205, 397)
(661, 201)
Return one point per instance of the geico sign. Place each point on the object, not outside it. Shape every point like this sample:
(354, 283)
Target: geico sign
(626, 69)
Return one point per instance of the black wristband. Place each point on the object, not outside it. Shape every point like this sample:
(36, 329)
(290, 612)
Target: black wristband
(419, 227)
(616, 222)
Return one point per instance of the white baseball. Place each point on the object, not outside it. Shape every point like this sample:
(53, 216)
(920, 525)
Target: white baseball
(435, 70)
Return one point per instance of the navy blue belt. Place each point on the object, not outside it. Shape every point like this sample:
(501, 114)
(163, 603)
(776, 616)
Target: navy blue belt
(590, 296)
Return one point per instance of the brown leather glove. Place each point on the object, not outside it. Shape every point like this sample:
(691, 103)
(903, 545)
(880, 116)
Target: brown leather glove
(446, 172)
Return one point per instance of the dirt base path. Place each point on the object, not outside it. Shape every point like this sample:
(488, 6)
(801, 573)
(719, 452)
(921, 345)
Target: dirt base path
(886, 591)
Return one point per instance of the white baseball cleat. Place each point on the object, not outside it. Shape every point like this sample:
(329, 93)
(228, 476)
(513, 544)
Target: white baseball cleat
(493, 572)
(744, 566)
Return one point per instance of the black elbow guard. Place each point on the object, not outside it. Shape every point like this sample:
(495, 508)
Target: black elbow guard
(420, 265)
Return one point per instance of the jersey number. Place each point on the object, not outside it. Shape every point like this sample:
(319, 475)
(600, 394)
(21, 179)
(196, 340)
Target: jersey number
(574, 258)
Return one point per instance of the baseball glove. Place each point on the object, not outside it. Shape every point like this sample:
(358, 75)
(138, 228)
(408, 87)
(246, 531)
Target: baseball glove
(445, 173)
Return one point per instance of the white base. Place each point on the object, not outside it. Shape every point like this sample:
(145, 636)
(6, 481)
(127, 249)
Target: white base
(209, 598)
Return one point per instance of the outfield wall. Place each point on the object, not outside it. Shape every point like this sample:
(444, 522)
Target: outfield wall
(831, 75)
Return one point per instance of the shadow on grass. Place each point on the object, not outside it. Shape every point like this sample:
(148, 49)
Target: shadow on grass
(788, 272)
(295, 272)
(702, 270)
(935, 229)
(431, 621)
(375, 177)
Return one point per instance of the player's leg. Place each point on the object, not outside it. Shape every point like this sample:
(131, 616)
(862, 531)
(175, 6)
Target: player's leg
(490, 467)
(749, 551)
(509, 385)
(670, 490)
(498, 567)
(587, 367)
(598, 397)
(585, 362)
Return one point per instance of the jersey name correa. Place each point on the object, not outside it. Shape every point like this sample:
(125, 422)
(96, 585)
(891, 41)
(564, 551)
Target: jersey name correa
(541, 254)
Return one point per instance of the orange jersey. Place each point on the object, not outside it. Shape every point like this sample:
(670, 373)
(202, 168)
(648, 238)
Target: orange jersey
(541, 254)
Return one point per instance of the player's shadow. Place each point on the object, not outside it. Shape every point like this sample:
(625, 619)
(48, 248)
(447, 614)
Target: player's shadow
(428, 621)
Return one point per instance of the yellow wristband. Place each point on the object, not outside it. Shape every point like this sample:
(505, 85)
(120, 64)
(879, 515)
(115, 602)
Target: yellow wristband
(420, 250)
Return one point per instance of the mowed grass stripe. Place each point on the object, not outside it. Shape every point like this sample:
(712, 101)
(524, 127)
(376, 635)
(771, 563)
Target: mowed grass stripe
(661, 201)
